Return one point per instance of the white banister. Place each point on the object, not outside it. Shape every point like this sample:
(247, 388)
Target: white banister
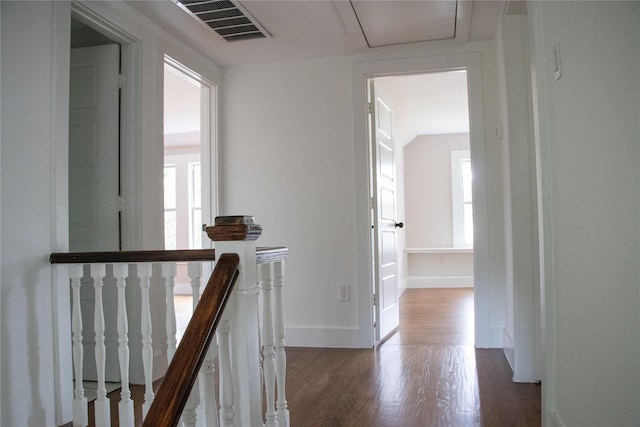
(125, 406)
(101, 405)
(80, 410)
(144, 274)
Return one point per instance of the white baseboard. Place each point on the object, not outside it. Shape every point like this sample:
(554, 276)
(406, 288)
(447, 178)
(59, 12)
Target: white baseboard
(325, 337)
(413, 282)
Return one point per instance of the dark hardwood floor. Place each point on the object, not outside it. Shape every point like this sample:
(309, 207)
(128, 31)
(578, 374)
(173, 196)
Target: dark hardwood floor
(427, 374)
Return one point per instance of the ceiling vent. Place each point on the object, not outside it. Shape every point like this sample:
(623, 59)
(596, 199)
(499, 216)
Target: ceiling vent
(226, 17)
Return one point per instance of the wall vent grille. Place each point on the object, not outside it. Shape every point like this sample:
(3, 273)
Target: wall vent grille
(226, 17)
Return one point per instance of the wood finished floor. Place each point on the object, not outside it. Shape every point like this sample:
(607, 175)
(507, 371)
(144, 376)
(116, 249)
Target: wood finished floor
(427, 374)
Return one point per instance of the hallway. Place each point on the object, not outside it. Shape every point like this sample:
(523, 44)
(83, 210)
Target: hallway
(426, 374)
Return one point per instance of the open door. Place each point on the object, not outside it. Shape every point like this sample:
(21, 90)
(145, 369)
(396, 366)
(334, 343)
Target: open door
(94, 184)
(386, 292)
(94, 180)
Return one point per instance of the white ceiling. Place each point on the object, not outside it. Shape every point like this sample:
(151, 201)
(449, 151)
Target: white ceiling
(438, 102)
(302, 29)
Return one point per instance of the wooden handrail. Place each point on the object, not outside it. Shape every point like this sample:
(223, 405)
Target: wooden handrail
(263, 255)
(181, 374)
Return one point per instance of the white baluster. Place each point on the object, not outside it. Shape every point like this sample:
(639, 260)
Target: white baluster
(268, 351)
(195, 274)
(207, 375)
(189, 417)
(224, 359)
(101, 405)
(80, 412)
(144, 274)
(207, 371)
(281, 357)
(125, 406)
(169, 274)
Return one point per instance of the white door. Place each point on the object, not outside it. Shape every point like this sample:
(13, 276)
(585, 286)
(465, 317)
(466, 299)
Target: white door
(384, 216)
(94, 221)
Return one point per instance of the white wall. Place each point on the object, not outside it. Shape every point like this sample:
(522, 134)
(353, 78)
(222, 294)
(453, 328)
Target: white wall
(588, 139)
(33, 85)
(428, 189)
(287, 157)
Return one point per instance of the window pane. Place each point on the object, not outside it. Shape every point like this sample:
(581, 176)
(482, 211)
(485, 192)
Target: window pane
(196, 184)
(468, 224)
(169, 187)
(196, 231)
(170, 229)
(465, 170)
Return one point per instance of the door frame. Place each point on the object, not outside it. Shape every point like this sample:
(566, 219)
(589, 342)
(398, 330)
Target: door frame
(485, 335)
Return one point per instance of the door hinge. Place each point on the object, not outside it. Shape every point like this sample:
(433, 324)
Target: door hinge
(373, 202)
(370, 107)
(122, 81)
(375, 324)
(375, 300)
(121, 203)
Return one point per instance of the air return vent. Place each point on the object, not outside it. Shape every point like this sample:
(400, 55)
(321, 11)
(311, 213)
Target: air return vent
(226, 17)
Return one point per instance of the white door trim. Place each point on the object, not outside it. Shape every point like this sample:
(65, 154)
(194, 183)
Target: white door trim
(472, 62)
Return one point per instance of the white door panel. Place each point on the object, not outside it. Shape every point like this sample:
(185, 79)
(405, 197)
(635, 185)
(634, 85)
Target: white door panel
(94, 223)
(384, 217)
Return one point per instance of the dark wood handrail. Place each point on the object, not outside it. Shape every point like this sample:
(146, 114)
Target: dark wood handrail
(183, 370)
(263, 255)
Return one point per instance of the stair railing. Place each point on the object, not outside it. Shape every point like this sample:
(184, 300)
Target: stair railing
(249, 350)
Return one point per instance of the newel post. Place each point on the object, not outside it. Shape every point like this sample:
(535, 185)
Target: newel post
(238, 234)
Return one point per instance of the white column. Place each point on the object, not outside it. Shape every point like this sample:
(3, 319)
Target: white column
(101, 404)
(125, 406)
(238, 235)
(80, 412)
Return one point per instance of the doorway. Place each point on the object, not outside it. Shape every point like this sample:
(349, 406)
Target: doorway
(431, 165)
(94, 141)
(485, 335)
(189, 166)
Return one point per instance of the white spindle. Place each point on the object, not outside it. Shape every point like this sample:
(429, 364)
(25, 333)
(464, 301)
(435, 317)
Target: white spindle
(281, 357)
(144, 274)
(101, 405)
(189, 417)
(226, 385)
(207, 375)
(268, 352)
(207, 371)
(169, 274)
(194, 270)
(80, 412)
(125, 406)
